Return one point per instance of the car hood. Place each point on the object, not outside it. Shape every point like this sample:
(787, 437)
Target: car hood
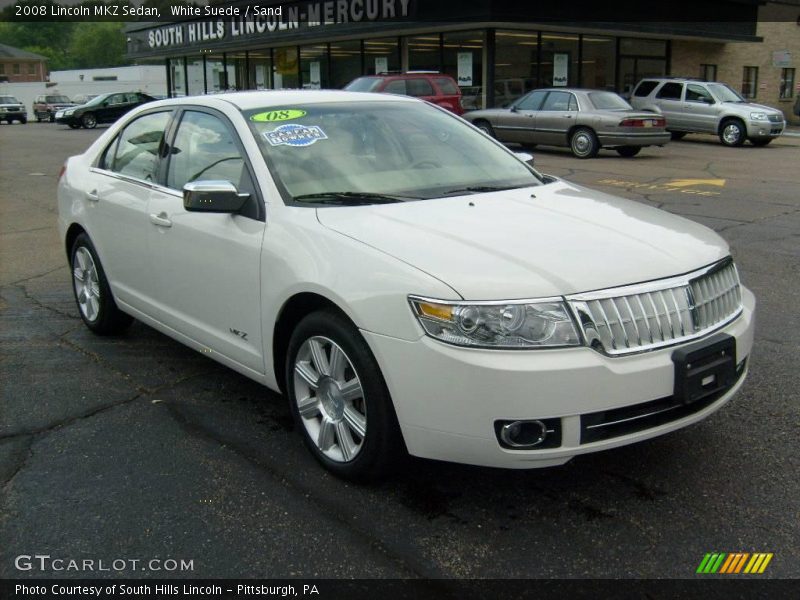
(12, 105)
(748, 106)
(533, 242)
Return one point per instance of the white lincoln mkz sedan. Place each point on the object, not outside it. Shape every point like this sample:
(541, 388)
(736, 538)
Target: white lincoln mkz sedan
(406, 281)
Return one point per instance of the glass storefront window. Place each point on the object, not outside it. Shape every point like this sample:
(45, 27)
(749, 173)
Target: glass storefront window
(559, 63)
(381, 55)
(640, 47)
(516, 65)
(424, 53)
(598, 64)
(260, 69)
(194, 76)
(176, 76)
(345, 63)
(216, 77)
(237, 70)
(463, 61)
(314, 66)
(285, 68)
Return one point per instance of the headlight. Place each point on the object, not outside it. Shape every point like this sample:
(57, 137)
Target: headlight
(514, 324)
(759, 116)
(68, 113)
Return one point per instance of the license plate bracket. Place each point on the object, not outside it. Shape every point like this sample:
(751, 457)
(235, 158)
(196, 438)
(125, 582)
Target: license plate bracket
(705, 368)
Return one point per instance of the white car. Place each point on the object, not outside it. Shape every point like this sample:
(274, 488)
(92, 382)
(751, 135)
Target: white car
(406, 281)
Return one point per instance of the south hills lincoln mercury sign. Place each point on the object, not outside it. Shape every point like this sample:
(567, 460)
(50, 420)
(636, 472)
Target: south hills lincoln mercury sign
(251, 21)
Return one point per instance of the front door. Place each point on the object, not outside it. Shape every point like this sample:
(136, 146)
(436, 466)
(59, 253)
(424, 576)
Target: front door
(116, 207)
(207, 265)
(700, 109)
(517, 123)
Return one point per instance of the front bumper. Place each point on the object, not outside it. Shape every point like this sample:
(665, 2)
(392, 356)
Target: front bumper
(68, 120)
(765, 129)
(448, 398)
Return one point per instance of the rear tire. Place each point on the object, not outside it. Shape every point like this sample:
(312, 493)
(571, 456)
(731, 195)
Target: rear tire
(92, 294)
(583, 143)
(486, 128)
(732, 133)
(348, 420)
(628, 151)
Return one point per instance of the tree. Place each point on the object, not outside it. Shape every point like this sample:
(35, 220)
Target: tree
(97, 45)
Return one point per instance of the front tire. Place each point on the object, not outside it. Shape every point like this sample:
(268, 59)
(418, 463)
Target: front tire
(628, 151)
(583, 143)
(89, 121)
(92, 294)
(339, 399)
(486, 128)
(732, 133)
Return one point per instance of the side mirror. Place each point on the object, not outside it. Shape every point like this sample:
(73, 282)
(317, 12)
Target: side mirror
(708, 100)
(525, 157)
(513, 108)
(213, 196)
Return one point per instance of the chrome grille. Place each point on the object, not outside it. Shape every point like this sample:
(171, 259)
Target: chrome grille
(775, 118)
(659, 313)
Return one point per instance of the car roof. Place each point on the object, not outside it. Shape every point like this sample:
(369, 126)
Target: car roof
(282, 98)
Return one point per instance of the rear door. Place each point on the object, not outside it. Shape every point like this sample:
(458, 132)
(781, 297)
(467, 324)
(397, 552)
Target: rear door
(207, 265)
(421, 88)
(554, 119)
(449, 94)
(669, 100)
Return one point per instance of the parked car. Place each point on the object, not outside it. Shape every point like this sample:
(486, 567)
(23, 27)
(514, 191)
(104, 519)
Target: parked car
(12, 110)
(583, 120)
(434, 87)
(694, 106)
(105, 108)
(83, 98)
(406, 281)
(46, 106)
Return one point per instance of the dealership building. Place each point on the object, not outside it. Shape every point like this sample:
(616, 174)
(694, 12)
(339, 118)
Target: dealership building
(495, 49)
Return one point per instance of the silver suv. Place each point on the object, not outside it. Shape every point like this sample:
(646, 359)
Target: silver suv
(692, 106)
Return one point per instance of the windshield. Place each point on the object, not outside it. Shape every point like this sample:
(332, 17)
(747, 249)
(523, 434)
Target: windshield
(8, 100)
(53, 99)
(408, 150)
(724, 93)
(608, 101)
(98, 99)
(363, 84)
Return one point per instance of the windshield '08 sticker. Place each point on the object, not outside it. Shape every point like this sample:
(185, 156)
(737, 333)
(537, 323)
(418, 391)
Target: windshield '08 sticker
(293, 134)
(278, 115)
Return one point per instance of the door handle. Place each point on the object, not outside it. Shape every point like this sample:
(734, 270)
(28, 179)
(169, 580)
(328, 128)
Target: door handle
(160, 220)
(566, 116)
(93, 196)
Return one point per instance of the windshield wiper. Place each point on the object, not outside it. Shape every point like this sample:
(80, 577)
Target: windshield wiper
(477, 189)
(353, 198)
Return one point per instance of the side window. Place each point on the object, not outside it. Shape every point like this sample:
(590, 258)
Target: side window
(420, 87)
(137, 151)
(644, 88)
(532, 101)
(697, 93)
(557, 101)
(205, 149)
(670, 91)
(107, 159)
(398, 86)
(573, 102)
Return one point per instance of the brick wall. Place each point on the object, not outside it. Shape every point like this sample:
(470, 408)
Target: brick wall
(779, 28)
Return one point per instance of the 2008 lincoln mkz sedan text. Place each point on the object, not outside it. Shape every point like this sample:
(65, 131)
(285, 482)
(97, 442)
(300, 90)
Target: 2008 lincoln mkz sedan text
(405, 280)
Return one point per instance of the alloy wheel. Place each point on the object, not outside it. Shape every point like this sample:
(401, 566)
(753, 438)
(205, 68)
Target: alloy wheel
(330, 399)
(86, 282)
(732, 133)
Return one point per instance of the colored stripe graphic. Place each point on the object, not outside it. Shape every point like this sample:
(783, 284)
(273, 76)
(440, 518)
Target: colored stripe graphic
(734, 562)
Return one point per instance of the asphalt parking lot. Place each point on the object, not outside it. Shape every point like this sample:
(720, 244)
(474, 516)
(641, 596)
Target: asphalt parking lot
(138, 448)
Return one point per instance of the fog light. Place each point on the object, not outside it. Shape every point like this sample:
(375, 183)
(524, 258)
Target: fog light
(523, 434)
